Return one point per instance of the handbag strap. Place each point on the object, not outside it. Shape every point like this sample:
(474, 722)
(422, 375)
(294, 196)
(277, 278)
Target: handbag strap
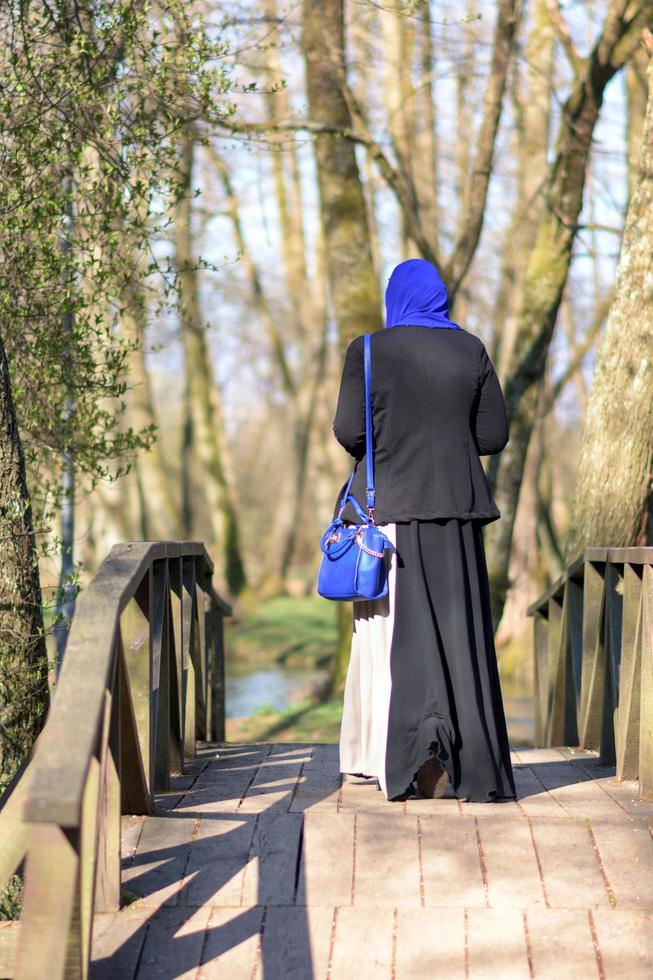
(369, 447)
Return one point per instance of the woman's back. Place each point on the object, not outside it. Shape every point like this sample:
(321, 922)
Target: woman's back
(422, 702)
(437, 406)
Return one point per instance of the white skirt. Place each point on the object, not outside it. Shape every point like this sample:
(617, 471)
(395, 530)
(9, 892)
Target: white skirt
(364, 729)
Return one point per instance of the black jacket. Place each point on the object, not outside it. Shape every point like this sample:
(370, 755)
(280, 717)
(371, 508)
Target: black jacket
(437, 406)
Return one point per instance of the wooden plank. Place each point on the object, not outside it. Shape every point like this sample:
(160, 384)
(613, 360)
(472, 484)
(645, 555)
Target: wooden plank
(134, 794)
(571, 787)
(88, 841)
(625, 941)
(51, 888)
(70, 738)
(593, 666)
(13, 828)
(556, 673)
(9, 933)
(270, 878)
(626, 719)
(572, 876)
(540, 674)
(203, 661)
(188, 656)
(273, 786)
(136, 639)
(360, 929)
(533, 797)
(157, 871)
(217, 674)
(451, 866)
(512, 874)
(612, 609)
(387, 861)
(430, 943)
(232, 944)
(178, 679)
(107, 886)
(327, 863)
(173, 944)
(296, 943)
(496, 944)
(215, 872)
(160, 692)
(562, 725)
(117, 943)
(646, 710)
(562, 947)
(625, 850)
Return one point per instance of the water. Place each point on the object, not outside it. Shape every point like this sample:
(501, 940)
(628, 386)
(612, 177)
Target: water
(278, 688)
(272, 687)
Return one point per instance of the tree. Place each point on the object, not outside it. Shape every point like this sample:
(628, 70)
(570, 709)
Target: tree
(91, 94)
(354, 288)
(548, 265)
(23, 658)
(615, 467)
(208, 435)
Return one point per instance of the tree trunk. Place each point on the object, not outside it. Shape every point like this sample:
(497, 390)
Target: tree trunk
(614, 472)
(23, 657)
(355, 295)
(546, 276)
(206, 411)
(532, 129)
(161, 514)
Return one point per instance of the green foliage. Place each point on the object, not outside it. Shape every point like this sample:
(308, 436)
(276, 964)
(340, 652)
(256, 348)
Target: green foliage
(310, 721)
(294, 632)
(11, 899)
(93, 96)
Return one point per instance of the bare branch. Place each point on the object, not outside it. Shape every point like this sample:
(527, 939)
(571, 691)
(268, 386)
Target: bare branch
(479, 179)
(564, 35)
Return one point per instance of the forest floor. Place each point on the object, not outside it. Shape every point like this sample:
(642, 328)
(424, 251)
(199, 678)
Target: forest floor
(300, 633)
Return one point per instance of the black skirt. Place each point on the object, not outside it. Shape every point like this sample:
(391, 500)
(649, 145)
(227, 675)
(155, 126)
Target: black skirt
(423, 673)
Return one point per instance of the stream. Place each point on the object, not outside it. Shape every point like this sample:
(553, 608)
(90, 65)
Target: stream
(277, 688)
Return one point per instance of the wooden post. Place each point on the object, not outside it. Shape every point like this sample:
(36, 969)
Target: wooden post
(540, 672)
(646, 712)
(592, 673)
(626, 715)
(45, 946)
(219, 715)
(137, 650)
(160, 708)
(188, 656)
(612, 609)
(107, 885)
(554, 731)
(178, 682)
(134, 794)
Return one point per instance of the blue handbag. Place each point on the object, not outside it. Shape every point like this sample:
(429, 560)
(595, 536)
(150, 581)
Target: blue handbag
(353, 562)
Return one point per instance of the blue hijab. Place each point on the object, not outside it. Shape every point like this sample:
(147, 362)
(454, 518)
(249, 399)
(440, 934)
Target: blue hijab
(416, 296)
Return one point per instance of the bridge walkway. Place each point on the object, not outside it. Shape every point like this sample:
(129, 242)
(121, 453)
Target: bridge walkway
(261, 862)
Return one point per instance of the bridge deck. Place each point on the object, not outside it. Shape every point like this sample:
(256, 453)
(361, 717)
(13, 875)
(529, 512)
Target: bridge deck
(263, 864)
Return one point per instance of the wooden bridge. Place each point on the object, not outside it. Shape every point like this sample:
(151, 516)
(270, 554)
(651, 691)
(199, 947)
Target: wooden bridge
(259, 861)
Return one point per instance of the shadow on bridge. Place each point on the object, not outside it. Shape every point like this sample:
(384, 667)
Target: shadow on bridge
(233, 870)
(220, 873)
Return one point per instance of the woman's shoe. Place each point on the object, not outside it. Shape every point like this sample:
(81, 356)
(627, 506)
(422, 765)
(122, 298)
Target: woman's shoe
(432, 779)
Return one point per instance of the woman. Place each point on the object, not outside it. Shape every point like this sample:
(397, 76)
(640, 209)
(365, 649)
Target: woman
(422, 699)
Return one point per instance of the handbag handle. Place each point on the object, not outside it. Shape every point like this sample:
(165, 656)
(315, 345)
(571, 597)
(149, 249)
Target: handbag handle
(369, 448)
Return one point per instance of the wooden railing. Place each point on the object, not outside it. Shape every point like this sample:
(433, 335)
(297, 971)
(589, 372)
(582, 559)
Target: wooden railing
(593, 641)
(143, 677)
